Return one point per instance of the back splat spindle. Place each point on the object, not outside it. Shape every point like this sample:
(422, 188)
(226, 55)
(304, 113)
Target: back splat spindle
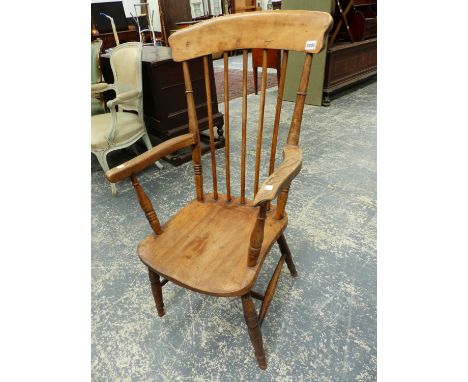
(193, 128)
(226, 125)
(210, 126)
(261, 114)
(244, 124)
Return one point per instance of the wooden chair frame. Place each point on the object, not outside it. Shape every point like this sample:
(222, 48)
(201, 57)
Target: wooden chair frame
(303, 31)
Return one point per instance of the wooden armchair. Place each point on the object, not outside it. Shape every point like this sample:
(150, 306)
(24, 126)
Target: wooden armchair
(198, 248)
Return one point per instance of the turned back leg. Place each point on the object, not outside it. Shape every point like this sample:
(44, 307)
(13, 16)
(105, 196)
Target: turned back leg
(156, 288)
(284, 248)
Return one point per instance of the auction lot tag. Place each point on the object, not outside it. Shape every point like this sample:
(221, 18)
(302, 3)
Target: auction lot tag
(311, 44)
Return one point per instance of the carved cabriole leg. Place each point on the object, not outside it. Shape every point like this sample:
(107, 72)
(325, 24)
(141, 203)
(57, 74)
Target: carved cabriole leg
(157, 291)
(282, 199)
(146, 206)
(256, 237)
(284, 248)
(253, 327)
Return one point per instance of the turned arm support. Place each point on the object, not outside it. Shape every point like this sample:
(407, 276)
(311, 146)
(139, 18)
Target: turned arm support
(276, 184)
(130, 168)
(282, 177)
(148, 158)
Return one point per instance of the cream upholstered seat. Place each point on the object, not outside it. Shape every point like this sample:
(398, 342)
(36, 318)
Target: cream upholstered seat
(123, 126)
(128, 124)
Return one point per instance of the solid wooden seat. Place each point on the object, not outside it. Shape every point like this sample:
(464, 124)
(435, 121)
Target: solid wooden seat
(218, 243)
(204, 246)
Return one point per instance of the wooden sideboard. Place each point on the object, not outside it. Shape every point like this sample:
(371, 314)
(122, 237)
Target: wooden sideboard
(164, 100)
(348, 64)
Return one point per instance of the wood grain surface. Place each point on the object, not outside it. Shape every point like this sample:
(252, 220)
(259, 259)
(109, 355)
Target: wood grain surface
(204, 246)
(289, 30)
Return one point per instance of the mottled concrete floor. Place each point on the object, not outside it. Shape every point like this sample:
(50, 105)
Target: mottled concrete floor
(321, 326)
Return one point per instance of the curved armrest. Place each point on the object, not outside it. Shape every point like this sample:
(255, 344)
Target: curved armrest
(283, 175)
(142, 161)
(100, 87)
(123, 97)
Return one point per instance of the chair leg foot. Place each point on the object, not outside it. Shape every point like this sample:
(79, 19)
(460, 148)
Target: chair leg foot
(149, 146)
(157, 291)
(284, 248)
(101, 156)
(253, 327)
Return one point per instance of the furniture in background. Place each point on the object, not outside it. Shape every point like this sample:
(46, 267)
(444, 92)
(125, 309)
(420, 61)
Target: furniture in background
(120, 128)
(108, 40)
(352, 49)
(96, 77)
(344, 63)
(101, 25)
(172, 12)
(355, 20)
(164, 103)
(144, 23)
(349, 64)
(239, 6)
(342, 22)
(273, 61)
(276, 4)
(217, 243)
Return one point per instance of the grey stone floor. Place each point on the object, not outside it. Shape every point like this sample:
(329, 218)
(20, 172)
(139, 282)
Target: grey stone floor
(321, 326)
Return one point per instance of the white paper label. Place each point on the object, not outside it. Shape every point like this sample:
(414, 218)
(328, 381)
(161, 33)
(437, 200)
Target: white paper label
(311, 44)
(268, 187)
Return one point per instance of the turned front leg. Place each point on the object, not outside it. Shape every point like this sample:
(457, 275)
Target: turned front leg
(253, 327)
(156, 288)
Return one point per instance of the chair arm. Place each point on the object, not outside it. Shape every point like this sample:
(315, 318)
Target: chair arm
(101, 87)
(123, 97)
(142, 161)
(282, 176)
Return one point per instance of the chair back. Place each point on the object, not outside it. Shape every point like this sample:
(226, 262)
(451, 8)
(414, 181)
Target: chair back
(125, 61)
(303, 31)
(96, 46)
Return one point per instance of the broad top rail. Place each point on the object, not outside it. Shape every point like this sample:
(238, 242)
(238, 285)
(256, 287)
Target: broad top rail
(303, 31)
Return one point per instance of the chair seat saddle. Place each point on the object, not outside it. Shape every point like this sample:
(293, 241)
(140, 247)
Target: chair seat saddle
(204, 246)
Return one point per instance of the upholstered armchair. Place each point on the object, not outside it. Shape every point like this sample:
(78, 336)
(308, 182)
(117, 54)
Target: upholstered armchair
(124, 125)
(97, 106)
